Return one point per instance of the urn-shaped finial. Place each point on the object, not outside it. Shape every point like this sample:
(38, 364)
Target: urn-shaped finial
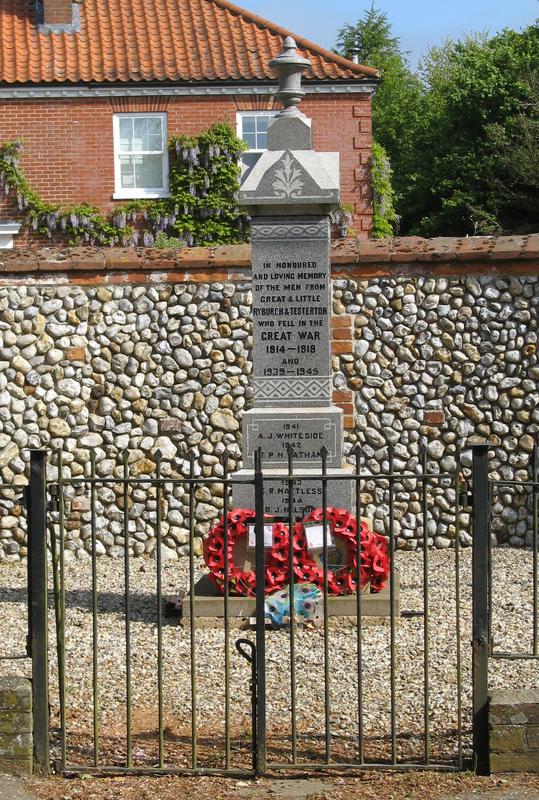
(290, 68)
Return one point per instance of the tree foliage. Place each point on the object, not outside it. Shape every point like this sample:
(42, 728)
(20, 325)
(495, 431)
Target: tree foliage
(477, 92)
(396, 102)
(384, 218)
(515, 173)
(461, 132)
(371, 37)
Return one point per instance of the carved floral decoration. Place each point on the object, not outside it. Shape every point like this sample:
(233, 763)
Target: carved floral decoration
(288, 181)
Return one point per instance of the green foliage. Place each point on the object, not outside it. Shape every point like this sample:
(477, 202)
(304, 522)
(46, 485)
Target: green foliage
(515, 171)
(456, 169)
(384, 220)
(205, 186)
(82, 223)
(370, 36)
(171, 242)
(202, 208)
(396, 104)
(460, 132)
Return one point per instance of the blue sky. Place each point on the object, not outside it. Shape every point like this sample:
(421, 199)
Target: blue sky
(418, 23)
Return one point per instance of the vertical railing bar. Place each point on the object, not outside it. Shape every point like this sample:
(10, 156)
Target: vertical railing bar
(159, 589)
(62, 650)
(535, 514)
(359, 598)
(480, 610)
(192, 621)
(426, 683)
(55, 586)
(37, 543)
(261, 744)
(457, 614)
(327, 693)
(391, 453)
(56, 590)
(95, 675)
(127, 608)
(226, 613)
(490, 581)
(290, 454)
(29, 572)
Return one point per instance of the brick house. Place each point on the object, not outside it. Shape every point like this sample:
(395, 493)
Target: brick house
(95, 87)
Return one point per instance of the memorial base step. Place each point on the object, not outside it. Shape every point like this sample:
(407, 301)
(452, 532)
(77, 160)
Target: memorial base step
(210, 603)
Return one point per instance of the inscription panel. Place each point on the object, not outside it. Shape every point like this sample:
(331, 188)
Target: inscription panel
(306, 436)
(307, 496)
(291, 311)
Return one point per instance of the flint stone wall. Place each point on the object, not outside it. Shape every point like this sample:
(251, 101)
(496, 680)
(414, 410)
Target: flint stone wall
(168, 366)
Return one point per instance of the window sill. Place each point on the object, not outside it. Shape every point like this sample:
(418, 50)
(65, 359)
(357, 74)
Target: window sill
(137, 195)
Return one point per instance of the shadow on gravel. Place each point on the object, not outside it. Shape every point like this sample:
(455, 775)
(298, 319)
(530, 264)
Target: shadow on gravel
(143, 604)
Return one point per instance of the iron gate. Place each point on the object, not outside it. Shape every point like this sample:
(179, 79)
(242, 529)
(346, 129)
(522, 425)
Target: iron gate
(487, 651)
(310, 699)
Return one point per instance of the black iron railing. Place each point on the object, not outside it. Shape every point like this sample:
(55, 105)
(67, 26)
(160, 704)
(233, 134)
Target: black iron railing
(264, 755)
(484, 584)
(313, 750)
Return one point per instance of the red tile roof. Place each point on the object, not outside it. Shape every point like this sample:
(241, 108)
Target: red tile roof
(154, 40)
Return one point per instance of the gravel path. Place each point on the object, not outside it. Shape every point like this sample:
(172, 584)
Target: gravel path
(12, 789)
(512, 627)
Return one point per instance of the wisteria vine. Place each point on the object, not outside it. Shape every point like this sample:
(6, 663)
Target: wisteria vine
(202, 208)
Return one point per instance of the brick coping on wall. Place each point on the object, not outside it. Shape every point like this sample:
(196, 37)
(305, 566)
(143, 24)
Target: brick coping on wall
(361, 257)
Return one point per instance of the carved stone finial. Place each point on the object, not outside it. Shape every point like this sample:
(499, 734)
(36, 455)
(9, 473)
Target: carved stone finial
(290, 68)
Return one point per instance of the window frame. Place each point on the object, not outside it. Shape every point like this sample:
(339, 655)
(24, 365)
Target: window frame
(120, 192)
(239, 125)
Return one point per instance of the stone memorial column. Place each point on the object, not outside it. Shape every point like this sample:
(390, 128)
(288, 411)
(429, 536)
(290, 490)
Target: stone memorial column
(289, 194)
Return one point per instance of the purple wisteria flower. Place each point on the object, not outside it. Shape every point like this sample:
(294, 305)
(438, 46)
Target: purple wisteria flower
(120, 219)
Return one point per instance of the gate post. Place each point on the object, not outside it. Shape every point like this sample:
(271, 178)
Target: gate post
(480, 606)
(260, 556)
(38, 606)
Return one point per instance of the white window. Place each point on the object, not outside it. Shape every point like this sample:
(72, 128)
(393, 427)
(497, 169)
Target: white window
(7, 231)
(140, 155)
(253, 129)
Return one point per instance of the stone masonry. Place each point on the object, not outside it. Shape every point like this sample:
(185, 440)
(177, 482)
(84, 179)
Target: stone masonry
(153, 349)
(514, 731)
(16, 744)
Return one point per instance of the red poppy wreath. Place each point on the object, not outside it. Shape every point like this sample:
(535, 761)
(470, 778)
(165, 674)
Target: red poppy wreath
(341, 530)
(242, 581)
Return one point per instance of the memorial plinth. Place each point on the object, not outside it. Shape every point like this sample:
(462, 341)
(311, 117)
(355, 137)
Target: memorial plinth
(209, 604)
(289, 194)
